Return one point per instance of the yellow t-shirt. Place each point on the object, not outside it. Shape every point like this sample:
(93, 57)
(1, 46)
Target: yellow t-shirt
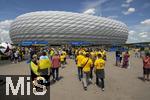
(99, 63)
(100, 53)
(92, 54)
(104, 53)
(76, 51)
(34, 68)
(86, 68)
(83, 52)
(44, 63)
(79, 60)
(62, 57)
(64, 53)
(52, 53)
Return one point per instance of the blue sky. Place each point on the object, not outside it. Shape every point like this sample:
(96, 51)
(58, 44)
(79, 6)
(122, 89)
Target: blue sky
(134, 13)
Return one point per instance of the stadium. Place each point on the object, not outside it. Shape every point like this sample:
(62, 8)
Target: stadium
(59, 27)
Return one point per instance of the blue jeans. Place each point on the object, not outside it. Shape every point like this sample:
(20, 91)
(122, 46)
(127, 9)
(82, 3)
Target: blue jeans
(80, 73)
(86, 77)
(55, 73)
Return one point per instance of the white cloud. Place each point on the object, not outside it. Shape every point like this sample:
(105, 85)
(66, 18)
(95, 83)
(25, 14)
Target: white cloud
(93, 4)
(132, 32)
(4, 30)
(142, 33)
(138, 37)
(143, 36)
(146, 22)
(139, 33)
(129, 1)
(112, 17)
(90, 11)
(125, 5)
(5, 24)
(130, 10)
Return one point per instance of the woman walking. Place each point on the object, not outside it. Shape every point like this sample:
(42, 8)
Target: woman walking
(55, 67)
(146, 67)
(34, 67)
(126, 60)
(44, 66)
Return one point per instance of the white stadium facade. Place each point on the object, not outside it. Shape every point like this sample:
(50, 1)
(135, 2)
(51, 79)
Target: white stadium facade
(59, 27)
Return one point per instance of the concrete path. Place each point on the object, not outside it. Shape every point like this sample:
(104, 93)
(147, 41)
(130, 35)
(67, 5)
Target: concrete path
(121, 84)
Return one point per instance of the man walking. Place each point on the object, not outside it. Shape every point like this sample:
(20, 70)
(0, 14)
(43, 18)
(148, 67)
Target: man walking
(86, 64)
(99, 70)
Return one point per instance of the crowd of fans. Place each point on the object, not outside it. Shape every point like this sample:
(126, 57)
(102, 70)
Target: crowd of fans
(46, 62)
(88, 61)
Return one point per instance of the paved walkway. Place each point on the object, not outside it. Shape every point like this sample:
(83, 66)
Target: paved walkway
(121, 84)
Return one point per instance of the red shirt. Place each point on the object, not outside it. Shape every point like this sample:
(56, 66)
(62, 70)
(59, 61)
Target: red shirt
(146, 62)
(126, 57)
(56, 62)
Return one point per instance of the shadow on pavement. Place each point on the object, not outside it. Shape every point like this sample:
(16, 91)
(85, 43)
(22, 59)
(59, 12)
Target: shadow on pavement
(52, 82)
(141, 78)
(5, 62)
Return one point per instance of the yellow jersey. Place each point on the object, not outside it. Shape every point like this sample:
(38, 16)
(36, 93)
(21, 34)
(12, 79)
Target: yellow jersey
(86, 65)
(79, 60)
(52, 53)
(100, 53)
(92, 54)
(34, 68)
(44, 63)
(64, 53)
(62, 58)
(76, 51)
(99, 63)
(104, 53)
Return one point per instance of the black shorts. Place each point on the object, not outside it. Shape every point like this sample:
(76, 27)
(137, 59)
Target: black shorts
(16, 58)
(33, 76)
(146, 70)
(100, 73)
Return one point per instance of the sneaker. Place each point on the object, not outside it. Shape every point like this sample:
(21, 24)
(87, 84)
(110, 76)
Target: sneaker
(79, 79)
(103, 89)
(97, 83)
(54, 80)
(90, 80)
(85, 88)
(57, 79)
